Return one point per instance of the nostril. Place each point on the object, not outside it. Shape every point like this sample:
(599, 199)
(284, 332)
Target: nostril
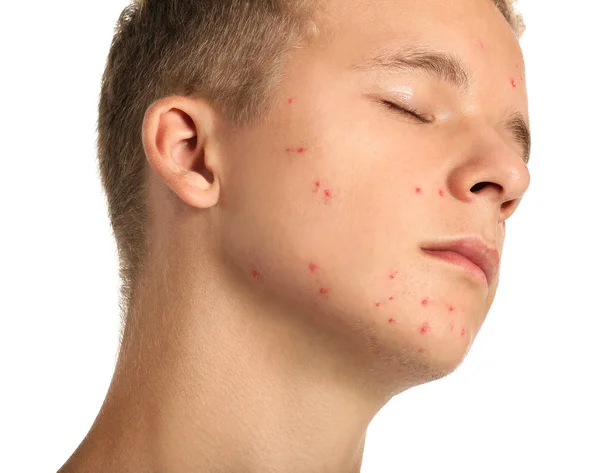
(479, 186)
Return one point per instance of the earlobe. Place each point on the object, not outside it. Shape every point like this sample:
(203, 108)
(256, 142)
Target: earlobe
(176, 135)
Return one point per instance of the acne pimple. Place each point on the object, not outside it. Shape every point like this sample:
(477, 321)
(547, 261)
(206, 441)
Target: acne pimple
(481, 44)
(421, 350)
(391, 299)
(441, 192)
(393, 274)
(425, 327)
(462, 332)
(424, 302)
(301, 149)
(291, 100)
(418, 190)
(391, 320)
(323, 290)
(513, 82)
(327, 196)
(313, 267)
(317, 185)
(377, 304)
(255, 274)
(451, 308)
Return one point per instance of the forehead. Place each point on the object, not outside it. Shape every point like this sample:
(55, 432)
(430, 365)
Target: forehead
(355, 29)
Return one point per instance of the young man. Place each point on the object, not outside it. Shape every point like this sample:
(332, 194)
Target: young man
(309, 200)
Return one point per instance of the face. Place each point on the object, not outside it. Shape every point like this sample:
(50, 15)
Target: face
(327, 206)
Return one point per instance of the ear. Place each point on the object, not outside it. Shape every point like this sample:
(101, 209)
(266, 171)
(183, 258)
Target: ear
(178, 138)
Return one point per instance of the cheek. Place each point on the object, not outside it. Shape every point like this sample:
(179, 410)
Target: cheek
(332, 236)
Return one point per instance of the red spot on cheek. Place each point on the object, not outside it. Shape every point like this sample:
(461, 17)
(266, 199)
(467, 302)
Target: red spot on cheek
(317, 185)
(391, 299)
(377, 304)
(451, 308)
(255, 274)
(327, 193)
(462, 332)
(424, 302)
(323, 290)
(391, 320)
(393, 274)
(418, 190)
(296, 150)
(441, 192)
(291, 100)
(513, 82)
(425, 328)
(313, 267)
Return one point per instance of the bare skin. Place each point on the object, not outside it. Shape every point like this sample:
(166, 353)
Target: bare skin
(287, 299)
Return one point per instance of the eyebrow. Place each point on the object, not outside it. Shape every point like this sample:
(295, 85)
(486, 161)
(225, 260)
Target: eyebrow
(445, 67)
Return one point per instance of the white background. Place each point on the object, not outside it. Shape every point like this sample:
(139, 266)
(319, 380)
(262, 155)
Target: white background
(526, 399)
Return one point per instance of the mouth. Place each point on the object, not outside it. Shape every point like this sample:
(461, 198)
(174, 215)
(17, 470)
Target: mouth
(472, 254)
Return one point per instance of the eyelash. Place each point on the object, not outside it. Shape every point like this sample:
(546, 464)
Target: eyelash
(407, 111)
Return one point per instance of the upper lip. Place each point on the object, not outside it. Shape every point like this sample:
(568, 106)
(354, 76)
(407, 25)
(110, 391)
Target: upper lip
(475, 249)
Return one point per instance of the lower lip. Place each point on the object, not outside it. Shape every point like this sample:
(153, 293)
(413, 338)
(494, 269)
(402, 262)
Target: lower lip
(459, 260)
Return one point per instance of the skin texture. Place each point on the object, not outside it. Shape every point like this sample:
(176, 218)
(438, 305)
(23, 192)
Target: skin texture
(287, 299)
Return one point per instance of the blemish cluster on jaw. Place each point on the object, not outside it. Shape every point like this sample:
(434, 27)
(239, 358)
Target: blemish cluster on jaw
(424, 328)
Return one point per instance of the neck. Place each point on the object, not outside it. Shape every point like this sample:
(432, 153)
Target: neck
(210, 376)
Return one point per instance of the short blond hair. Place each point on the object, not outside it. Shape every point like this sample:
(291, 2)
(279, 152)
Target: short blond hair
(231, 52)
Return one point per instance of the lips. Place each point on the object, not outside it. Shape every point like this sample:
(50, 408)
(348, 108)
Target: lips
(475, 250)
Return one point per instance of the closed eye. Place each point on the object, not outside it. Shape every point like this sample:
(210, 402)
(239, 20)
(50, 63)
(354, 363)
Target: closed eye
(406, 111)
